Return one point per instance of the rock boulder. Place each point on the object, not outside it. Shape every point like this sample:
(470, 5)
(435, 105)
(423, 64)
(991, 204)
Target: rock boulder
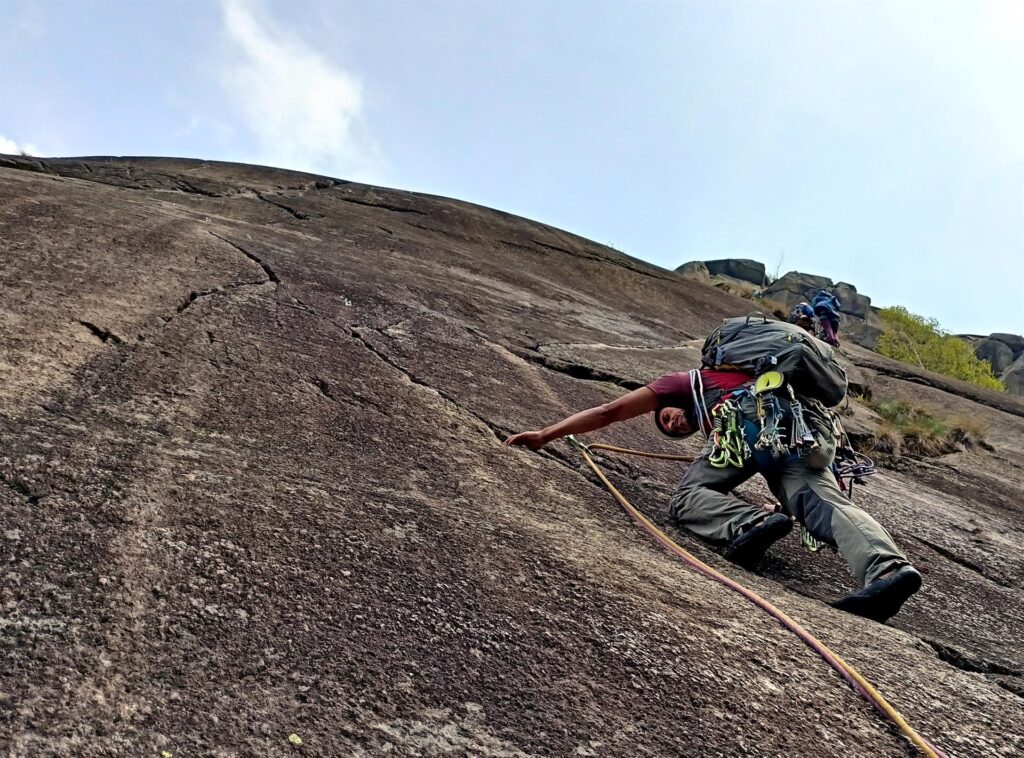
(996, 352)
(695, 270)
(1013, 377)
(1013, 341)
(743, 269)
(794, 286)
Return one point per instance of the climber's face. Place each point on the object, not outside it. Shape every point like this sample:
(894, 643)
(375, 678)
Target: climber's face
(674, 421)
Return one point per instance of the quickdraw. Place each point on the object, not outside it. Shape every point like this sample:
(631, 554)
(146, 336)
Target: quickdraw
(768, 437)
(729, 447)
(802, 433)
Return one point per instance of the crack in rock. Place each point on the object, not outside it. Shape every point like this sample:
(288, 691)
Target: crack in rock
(625, 348)
(385, 206)
(586, 256)
(324, 388)
(356, 400)
(54, 410)
(271, 275)
(967, 662)
(301, 215)
(576, 370)
(965, 563)
(355, 332)
(179, 184)
(1010, 684)
(104, 335)
(443, 232)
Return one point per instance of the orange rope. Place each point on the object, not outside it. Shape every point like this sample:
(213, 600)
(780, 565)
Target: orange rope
(850, 674)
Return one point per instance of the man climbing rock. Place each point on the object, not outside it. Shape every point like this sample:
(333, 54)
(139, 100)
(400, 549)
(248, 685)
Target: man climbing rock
(798, 475)
(826, 307)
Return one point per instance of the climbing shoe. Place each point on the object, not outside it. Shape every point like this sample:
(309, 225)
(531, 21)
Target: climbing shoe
(883, 598)
(749, 548)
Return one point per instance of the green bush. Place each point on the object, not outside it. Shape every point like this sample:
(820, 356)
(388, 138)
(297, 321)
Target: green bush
(920, 341)
(908, 428)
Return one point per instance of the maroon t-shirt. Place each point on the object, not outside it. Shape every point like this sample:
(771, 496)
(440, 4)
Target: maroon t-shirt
(674, 391)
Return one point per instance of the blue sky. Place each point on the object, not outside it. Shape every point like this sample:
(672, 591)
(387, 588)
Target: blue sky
(879, 143)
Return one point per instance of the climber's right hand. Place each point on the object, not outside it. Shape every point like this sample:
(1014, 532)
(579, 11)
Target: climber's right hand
(533, 440)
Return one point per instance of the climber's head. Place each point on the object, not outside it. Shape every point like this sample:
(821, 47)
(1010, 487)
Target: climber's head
(674, 422)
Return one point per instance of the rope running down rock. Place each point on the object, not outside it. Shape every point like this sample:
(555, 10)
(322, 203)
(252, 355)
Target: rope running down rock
(850, 674)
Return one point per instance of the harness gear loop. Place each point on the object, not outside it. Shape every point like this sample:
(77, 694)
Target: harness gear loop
(856, 681)
(729, 446)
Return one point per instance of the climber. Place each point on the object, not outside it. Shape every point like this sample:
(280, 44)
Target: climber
(683, 403)
(803, 316)
(826, 307)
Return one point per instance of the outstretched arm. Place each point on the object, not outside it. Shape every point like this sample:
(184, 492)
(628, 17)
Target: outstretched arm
(637, 402)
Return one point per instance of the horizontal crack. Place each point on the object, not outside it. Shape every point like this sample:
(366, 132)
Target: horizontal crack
(1010, 684)
(965, 563)
(586, 256)
(54, 410)
(445, 232)
(104, 335)
(967, 662)
(385, 206)
(625, 348)
(301, 215)
(576, 370)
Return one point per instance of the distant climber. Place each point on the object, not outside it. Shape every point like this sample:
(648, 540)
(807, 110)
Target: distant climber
(803, 316)
(684, 402)
(826, 307)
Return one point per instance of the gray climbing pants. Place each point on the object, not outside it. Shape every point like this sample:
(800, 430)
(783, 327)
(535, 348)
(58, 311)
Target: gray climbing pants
(702, 504)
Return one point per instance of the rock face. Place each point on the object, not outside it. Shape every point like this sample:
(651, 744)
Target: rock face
(253, 484)
(861, 324)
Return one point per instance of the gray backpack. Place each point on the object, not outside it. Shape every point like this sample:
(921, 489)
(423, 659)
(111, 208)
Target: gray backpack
(755, 344)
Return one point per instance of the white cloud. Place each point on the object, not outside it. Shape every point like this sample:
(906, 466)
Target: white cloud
(10, 147)
(304, 112)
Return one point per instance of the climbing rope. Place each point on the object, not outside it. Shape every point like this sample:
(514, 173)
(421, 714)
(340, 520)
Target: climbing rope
(857, 682)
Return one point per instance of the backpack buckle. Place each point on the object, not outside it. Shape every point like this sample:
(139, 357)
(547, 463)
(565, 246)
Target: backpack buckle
(768, 381)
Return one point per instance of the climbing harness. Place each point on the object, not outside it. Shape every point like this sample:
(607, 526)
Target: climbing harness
(857, 682)
(700, 408)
